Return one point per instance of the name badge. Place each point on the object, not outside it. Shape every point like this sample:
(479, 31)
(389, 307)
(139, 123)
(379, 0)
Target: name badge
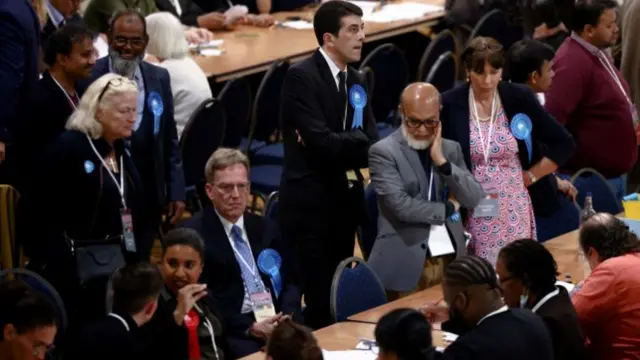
(488, 207)
(262, 304)
(127, 230)
(634, 114)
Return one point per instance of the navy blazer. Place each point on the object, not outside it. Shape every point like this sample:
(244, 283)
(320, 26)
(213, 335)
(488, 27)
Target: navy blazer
(222, 272)
(167, 171)
(550, 138)
(19, 49)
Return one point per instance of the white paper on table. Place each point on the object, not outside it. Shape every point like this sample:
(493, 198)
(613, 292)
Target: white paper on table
(566, 285)
(211, 52)
(349, 355)
(366, 6)
(211, 44)
(400, 11)
(234, 12)
(297, 24)
(449, 337)
(439, 241)
(101, 47)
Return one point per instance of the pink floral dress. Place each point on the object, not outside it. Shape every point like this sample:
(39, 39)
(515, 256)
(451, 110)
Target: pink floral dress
(502, 176)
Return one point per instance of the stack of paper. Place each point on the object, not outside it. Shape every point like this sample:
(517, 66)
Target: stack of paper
(349, 355)
(297, 24)
(395, 12)
(216, 43)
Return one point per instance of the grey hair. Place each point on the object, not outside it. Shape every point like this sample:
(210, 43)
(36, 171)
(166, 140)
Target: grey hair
(166, 36)
(222, 159)
(83, 118)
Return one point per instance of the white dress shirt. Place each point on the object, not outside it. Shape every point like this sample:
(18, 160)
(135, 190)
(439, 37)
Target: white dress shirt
(335, 71)
(227, 225)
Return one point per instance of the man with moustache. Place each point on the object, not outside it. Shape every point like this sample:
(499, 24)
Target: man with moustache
(328, 128)
(154, 143)
(421, 181)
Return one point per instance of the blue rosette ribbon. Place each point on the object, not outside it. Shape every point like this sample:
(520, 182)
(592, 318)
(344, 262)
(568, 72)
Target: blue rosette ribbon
(358, 99)
(269, 263)
(154, 101)
(521, 128)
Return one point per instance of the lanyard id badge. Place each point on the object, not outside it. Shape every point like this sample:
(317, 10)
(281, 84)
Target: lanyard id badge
(127, 230)
(488, 206)
(262, 304)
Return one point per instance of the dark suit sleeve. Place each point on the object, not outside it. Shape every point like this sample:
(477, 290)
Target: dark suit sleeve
(346, 150)
(12, 68)
(290, 297)
(547, 131)
(190, 14)
(174, 173)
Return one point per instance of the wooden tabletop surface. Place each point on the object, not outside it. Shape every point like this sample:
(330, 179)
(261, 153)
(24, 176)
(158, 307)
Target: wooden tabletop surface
(249, 50)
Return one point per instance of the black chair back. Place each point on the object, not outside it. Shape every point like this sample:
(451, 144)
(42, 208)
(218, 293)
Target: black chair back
(236, 99)
(367, 73)
(266, 114)
(444, 42)
(443, 73)
(496, 24)
(202, 135)
(390, 75)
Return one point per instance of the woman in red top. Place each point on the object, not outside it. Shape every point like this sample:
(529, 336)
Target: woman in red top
(607, 305)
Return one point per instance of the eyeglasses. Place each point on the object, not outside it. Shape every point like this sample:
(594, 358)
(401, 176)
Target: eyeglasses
(226, 188)
(415, 123)
(115, 82)
(123, 41)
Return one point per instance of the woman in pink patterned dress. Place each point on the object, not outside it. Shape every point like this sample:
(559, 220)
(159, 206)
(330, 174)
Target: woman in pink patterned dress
(512, 168)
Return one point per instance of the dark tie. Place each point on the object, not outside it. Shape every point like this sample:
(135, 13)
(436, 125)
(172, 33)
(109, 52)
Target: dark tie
(342, 91)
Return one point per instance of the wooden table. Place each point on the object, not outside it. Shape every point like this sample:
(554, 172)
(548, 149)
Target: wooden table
(249, 50)
(345, 336)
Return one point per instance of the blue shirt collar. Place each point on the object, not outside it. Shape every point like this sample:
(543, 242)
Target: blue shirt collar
(56, 16)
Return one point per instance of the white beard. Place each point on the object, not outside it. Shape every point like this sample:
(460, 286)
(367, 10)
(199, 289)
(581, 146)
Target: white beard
(413, 143)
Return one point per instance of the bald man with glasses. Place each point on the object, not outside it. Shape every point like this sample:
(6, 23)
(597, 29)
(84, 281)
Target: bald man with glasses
(421, 183)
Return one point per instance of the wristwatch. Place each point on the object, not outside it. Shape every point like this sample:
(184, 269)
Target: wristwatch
(532, 177)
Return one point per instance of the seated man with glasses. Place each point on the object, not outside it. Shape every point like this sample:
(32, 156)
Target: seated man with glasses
(248, 270)
(421, 182)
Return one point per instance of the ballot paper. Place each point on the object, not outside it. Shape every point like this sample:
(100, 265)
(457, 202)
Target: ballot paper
(101, 46)
(397, 11)
(297, 24)
(235, 12)
(216, 43)
(439, 241)
(349, 355)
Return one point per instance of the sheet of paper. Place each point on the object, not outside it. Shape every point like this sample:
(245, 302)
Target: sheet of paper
(566, 285)
(297, 24)
(211, 52)
(349, 355)
(449, 337)
(399, 11)
(101, 46)
(439, 241)
(211, 44)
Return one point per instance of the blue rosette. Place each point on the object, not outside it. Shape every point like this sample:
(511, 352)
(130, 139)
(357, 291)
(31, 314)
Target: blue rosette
(154, 101)
(269, 263)
(358, 99)
(521, 128)
(455, 217)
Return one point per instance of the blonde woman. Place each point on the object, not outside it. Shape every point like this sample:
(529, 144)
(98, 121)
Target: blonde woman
(85, 217)
(168, 48)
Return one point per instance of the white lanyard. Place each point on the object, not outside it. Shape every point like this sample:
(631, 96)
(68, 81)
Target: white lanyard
(73, 105)
(499, 311)
(430, 184)
(176, 4)
(545, 299)
(252, 269)
(119, 185)
(487, 149)
(123, 321)
(613, 74)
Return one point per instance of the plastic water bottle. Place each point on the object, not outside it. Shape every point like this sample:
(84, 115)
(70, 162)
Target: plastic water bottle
(587, 210)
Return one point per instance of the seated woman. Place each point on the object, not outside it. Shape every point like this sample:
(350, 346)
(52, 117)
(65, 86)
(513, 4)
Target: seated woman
(168, 47)
(291, 341)
(404, 334)
(527, 274)
(607, 304)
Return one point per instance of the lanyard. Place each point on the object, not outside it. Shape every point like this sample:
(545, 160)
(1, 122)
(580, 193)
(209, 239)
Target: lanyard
(126, 326)
(251, 269)
(499, 311)
(176, 4)
(487, 149)
(73, 104)
(613, 74)
(119, 185)
(545, 299)
(430, 184)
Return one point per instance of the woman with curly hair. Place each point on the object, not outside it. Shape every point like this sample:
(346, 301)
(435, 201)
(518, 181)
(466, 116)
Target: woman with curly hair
(607, 305)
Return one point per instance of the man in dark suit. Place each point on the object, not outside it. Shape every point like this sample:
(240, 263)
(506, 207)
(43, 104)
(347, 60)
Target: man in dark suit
(59, 13)
(70, 57)
(19, 47)
(239, 248)
(154, 143)
(135, 300)
(191, 14)
(326, 134)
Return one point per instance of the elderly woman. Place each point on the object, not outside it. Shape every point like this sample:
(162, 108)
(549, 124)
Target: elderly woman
(168, 47)
(511, 145)
(86, 218)
(607, 304)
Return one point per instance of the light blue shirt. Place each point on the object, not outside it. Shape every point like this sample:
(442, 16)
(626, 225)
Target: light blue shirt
(56, 16)
(137, 78)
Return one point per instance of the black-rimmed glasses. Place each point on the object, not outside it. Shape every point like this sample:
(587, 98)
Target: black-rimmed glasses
(115, 82)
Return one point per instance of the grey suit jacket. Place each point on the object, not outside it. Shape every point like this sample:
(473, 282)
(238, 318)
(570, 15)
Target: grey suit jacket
(406, 215)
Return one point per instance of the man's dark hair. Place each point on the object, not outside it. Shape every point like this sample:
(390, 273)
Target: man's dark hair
(531, 262)
(24, 308)
(134, 286)
(61, 42)
(588, 12)
(405, 332)
(609, 236)
(125, 13)
(328, 18)
(184, 236)
(525, 57)
(471, 270)
(290, 341)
